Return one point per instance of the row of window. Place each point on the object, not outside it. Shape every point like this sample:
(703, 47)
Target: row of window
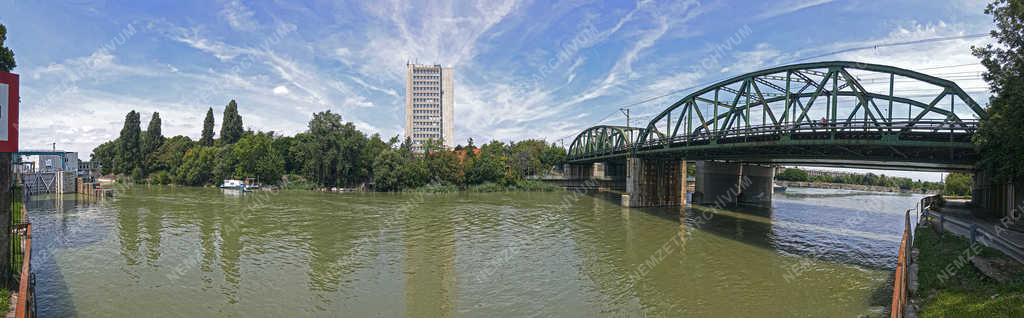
(426, 94)
(425, 117)
(425, 123)
(426, 77)
(425, 106)
(426, 129)
(425, 111)
(431, 100)
(431, 83)
(426, 136)
(422, 88)
(426, 71)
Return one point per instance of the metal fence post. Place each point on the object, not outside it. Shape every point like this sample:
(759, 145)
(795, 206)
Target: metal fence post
(942, 221)
(974, 233)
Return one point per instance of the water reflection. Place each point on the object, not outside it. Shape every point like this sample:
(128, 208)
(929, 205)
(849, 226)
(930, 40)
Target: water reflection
(507, 254)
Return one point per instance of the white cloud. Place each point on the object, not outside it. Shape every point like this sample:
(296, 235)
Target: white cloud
(281, 90)
(778, 8)
(239, 16)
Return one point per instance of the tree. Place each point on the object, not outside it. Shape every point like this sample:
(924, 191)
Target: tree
(152, 139)
(207, 137)
(958, 184)
(1001, 137)
(231, 127)
(197, 166)
(106, 154)
(129, 155)
(169, 156)
(257, 158)
(7, 62)
(387, 171)
(793, 174)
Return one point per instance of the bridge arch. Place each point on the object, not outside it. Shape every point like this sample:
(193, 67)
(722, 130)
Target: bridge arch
(848, 97)
(604, 139)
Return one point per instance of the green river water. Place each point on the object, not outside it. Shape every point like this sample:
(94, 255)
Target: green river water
(194, 252)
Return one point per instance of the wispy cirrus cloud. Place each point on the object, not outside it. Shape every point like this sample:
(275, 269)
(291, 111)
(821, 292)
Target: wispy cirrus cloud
(778, 8)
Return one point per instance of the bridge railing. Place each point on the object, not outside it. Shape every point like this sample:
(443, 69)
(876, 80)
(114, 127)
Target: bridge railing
(945, 130)
(901, 286)
(902, 127)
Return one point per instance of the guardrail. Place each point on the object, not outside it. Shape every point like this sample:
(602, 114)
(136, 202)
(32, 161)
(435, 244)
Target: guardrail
(26, 304)
(976, 234)
(901, 286)
(21, 255)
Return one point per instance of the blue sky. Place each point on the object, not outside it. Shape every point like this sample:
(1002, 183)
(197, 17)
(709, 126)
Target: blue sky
(523, 69)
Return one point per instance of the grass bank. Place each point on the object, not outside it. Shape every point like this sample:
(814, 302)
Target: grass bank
(950, 286)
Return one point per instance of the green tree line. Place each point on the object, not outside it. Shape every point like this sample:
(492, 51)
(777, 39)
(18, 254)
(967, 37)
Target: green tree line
(871, 179)
(330, 153)
(1001, 136)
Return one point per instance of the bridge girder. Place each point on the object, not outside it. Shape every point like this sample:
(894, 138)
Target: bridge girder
(604, 139)
(790, 96)
(854, 101)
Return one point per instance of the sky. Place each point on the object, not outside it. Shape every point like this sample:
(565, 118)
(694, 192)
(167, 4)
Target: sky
(523, 69)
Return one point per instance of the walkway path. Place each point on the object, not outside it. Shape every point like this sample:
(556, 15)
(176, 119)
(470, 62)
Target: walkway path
(957, 210)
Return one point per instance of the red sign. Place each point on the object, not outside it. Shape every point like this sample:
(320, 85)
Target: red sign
(8, 112)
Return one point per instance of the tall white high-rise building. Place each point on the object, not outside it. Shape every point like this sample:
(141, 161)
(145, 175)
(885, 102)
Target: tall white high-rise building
(429, 104)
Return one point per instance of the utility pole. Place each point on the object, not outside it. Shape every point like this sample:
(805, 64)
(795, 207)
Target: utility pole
(625, 111)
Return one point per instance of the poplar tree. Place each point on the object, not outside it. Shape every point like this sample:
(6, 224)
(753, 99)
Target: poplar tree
(231, 128)
(207, 137)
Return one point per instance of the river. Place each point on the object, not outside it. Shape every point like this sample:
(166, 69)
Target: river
(194, 252)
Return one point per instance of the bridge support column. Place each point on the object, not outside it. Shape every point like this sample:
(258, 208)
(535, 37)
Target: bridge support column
(655, 182)
(717, 183)
(598, 170)
(578, 172)
(729, 183)
(759, 189)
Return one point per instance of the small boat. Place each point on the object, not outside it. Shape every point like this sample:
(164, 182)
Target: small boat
(232, 184)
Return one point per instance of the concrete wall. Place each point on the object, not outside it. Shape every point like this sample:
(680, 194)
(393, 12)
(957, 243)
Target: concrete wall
(997, 199)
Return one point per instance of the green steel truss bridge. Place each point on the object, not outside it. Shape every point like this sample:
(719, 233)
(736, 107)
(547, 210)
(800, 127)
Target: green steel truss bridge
(827, 113)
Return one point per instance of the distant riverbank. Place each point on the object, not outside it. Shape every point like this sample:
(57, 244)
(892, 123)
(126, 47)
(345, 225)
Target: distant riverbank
(844, 186)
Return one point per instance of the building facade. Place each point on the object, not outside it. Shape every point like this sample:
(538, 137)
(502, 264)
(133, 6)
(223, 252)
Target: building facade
(429, 105)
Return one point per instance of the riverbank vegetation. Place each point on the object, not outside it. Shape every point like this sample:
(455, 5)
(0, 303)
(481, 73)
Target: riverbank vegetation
(868, 179)
(950, 286)
(331, 153)
(1000, 138)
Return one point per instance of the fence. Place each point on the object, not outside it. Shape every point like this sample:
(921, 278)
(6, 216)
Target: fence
(21, 254)
(901, 286)
(975, 233)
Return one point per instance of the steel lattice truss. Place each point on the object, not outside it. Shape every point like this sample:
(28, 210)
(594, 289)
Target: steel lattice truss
(604, 140)
(830, 102)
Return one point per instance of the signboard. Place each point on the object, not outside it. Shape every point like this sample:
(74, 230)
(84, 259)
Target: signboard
(8, 112)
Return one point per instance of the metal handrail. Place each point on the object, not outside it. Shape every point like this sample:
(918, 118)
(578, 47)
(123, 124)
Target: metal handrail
(963, 127)
(23, 308)
(976, 232)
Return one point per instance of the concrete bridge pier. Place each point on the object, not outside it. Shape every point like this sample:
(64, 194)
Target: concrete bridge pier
(654, 182)
(717, 183)
(578, 171)
(757, 185)
(731, 183)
